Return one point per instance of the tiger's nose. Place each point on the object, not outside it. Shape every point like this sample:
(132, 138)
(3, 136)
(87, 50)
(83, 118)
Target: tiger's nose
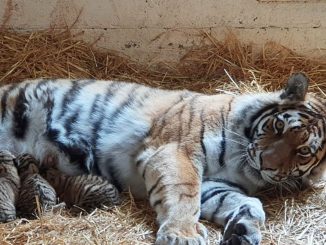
(272, 161)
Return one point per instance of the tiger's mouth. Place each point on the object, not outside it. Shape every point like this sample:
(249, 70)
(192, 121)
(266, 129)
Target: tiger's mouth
(274, 179)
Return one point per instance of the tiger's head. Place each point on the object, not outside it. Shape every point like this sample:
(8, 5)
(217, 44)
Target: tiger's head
(287, 139)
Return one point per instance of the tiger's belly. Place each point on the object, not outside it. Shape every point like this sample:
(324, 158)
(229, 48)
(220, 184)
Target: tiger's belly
(114, 156)
(125, 175)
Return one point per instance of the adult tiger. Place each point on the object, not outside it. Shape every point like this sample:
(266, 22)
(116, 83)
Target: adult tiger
(164, 143)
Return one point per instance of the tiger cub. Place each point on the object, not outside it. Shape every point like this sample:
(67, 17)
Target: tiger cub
(9, 186)
(33, 185)
(82, 192)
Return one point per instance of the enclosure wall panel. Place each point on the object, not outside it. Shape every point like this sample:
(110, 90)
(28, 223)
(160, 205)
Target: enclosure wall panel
(164, 29)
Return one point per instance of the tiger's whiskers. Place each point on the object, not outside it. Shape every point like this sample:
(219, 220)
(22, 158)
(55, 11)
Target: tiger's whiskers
(237, 142)
(236, 134)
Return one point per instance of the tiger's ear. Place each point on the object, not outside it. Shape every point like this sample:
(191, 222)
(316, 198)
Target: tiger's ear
(297, 87)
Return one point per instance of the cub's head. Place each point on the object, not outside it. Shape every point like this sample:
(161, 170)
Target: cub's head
(54, 176)
(287, 139)
(27, 165)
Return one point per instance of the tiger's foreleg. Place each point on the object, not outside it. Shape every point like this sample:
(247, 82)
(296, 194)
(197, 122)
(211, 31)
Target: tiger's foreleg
(173, 186)
(226, 204)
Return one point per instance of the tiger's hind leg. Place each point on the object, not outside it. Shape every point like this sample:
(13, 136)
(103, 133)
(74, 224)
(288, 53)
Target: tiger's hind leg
(173, 186)
(226, 204)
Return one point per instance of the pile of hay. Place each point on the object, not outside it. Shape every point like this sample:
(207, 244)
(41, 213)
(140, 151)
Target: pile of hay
(298, 218)
(52, 54)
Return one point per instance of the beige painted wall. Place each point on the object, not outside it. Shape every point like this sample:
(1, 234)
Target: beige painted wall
(152, 30)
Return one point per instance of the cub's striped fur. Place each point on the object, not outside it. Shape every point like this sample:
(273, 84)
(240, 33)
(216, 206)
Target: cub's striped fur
(191, 154)
(33, 185)
(83, 192)
(9, 186)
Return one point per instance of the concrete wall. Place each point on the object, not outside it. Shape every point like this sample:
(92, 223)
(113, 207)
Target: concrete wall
(152, 30)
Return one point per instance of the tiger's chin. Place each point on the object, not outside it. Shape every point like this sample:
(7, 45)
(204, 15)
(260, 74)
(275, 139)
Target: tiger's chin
(290, 184)
(294, 183)
(280, 180)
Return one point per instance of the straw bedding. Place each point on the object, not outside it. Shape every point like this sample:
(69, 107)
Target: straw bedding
(293, 218)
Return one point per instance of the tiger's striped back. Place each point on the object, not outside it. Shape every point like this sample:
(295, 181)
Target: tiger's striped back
(9, 186)
(84, 191)
(33, 184)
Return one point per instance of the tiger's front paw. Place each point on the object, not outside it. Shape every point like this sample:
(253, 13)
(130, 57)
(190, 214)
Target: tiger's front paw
(242, 233)
(173, 235)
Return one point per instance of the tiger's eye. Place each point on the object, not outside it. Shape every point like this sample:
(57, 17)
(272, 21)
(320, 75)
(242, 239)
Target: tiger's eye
(279, 125)
(304, 150)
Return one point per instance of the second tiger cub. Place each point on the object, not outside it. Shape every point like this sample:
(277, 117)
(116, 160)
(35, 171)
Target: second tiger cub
(83, 192)
(33, 184)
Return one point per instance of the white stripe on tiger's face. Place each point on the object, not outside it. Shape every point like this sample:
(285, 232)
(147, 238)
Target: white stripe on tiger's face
(286, 143)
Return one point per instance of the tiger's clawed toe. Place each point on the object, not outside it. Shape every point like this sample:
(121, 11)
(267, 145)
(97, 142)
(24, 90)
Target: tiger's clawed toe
(175, 240)
(236, 240)
(191, 236)
(246, 233)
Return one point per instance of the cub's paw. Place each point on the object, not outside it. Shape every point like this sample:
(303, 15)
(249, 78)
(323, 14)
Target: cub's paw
(7, 218)
(242, 233)
(195, 235)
